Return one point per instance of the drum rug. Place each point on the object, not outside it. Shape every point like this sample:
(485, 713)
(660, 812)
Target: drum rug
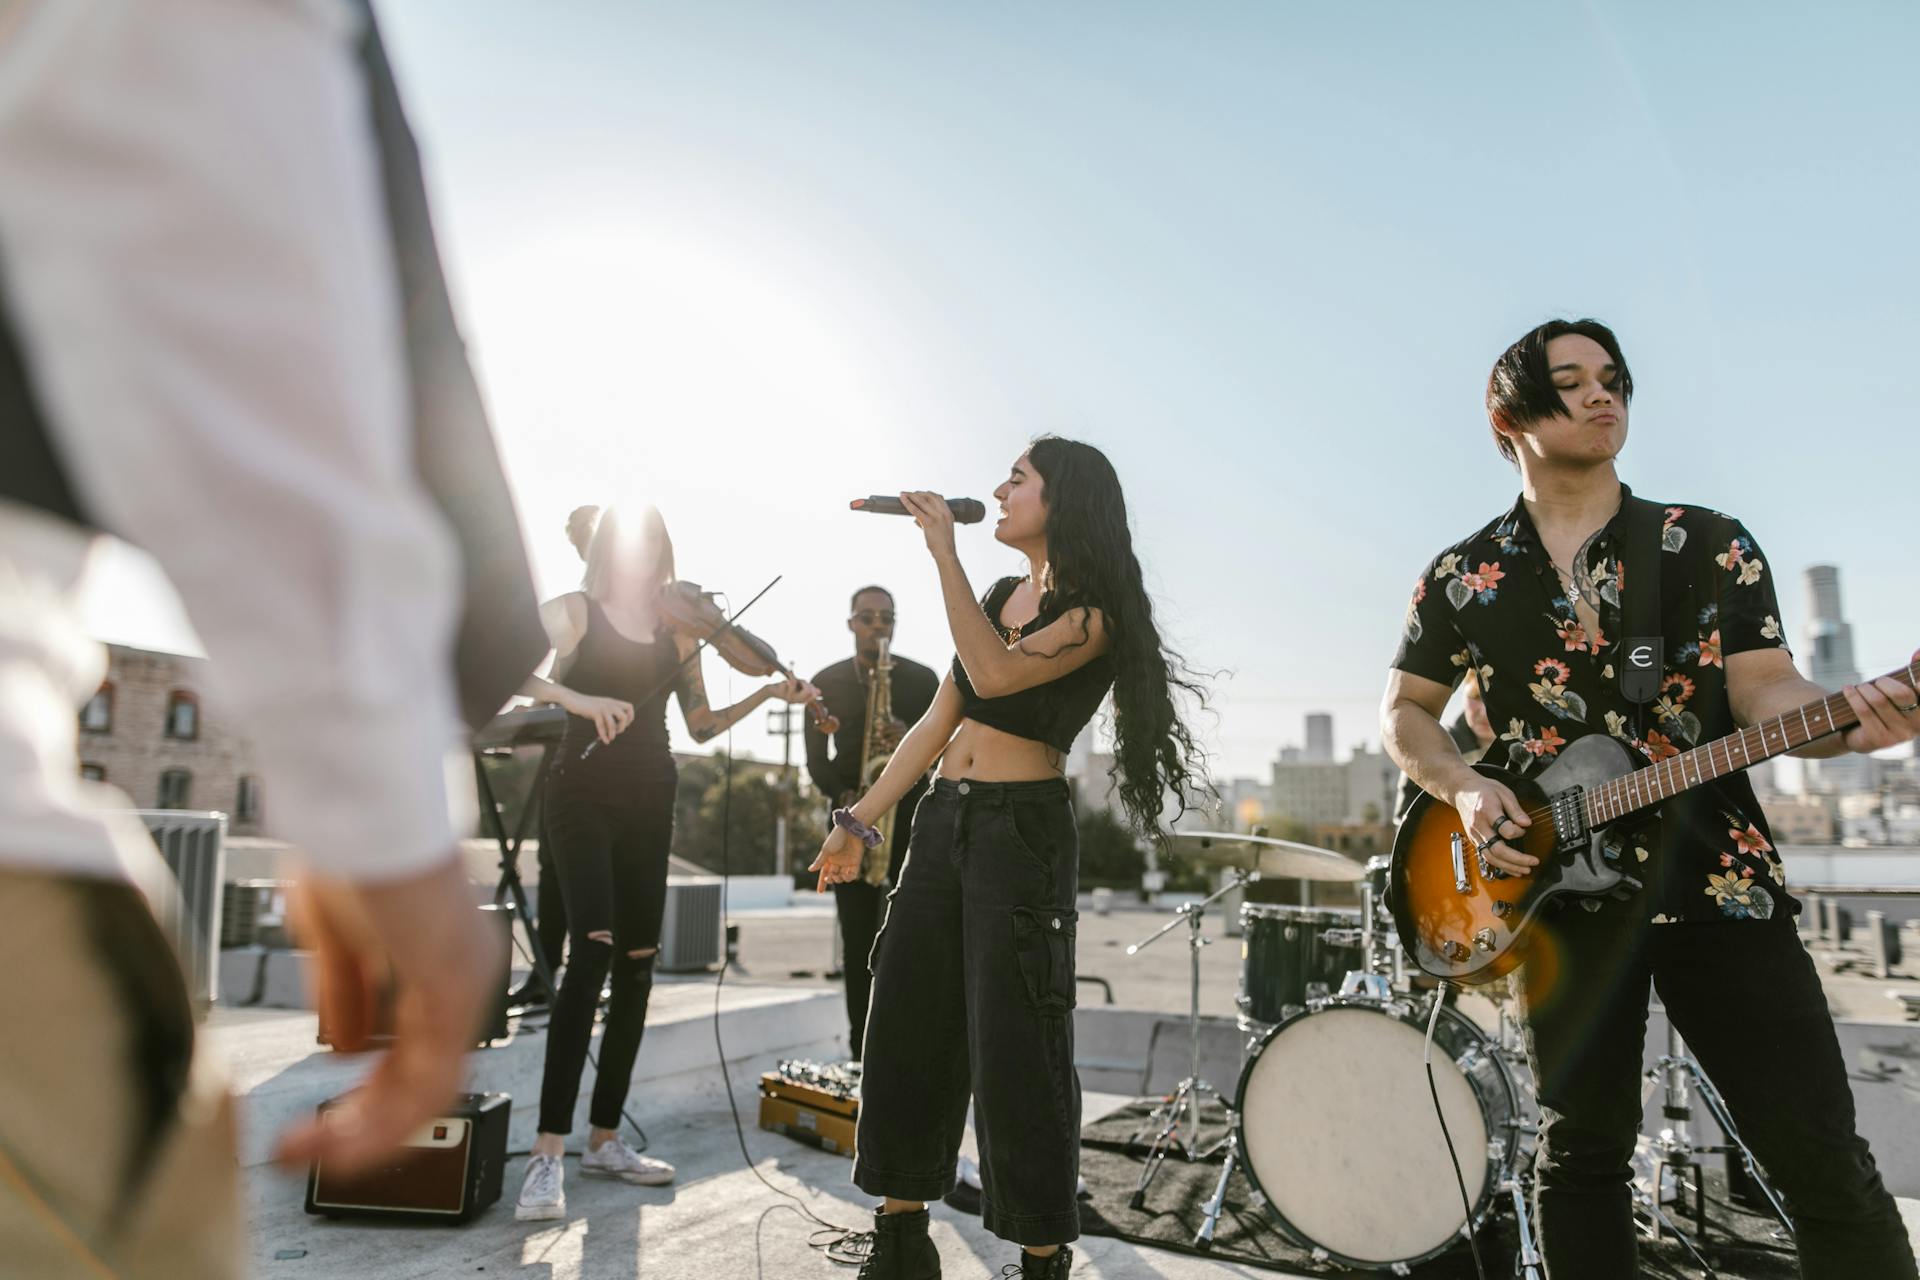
(1249, 1236)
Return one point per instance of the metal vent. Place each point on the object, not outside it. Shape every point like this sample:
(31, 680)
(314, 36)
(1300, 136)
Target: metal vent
(693, 933)
(193, 845)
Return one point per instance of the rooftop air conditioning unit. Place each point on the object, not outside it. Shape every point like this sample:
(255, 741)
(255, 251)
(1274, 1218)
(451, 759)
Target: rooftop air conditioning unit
(193, 845)
(693, 935)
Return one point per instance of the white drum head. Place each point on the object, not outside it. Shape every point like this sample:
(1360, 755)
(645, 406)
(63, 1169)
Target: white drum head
(1339, 1131)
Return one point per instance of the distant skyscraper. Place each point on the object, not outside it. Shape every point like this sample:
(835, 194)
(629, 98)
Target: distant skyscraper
(1829, 639)
(1830, 664)
(1319, 738)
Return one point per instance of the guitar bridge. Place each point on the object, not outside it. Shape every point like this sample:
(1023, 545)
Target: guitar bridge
(1569, 812)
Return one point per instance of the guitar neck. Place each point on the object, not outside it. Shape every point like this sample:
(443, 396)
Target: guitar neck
(1644, 788)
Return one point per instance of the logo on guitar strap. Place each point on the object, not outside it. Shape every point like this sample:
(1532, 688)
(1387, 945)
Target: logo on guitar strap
(1640, 673)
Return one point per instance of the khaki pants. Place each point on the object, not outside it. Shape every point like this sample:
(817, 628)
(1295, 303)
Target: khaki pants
(117, 1153)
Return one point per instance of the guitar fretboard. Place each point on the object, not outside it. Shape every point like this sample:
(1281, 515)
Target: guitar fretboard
(1659, 782)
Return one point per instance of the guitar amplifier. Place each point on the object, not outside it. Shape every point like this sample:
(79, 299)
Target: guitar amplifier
(448, 1171)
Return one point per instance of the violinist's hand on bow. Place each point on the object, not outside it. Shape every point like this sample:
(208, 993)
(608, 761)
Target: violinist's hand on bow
(839, 860)
(935, 518)
(795, 691)
(610, 716)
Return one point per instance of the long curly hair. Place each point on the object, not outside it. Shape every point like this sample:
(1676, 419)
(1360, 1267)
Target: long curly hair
(1091, 563)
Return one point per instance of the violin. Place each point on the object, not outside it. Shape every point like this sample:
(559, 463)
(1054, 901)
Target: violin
(693, 613)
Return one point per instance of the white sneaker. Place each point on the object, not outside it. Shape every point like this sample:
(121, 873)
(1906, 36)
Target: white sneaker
(542, 1198)
(615, 1159)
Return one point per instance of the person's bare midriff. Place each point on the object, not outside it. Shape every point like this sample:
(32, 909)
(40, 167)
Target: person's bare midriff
(985, 754)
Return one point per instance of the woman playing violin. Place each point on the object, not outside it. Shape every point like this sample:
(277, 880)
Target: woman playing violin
(609, 803)
(973, 969)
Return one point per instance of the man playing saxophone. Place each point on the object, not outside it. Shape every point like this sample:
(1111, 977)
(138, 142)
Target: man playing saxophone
(875, 695)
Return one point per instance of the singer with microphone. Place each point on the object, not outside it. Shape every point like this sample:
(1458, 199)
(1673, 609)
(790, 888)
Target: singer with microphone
(973, 971)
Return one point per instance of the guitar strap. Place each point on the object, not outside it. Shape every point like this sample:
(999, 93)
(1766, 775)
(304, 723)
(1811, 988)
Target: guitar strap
(1643, 652)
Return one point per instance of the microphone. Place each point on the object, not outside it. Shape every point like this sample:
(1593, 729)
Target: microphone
(965, 510)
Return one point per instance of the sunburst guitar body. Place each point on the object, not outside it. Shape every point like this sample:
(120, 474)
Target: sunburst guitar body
(1461, 919)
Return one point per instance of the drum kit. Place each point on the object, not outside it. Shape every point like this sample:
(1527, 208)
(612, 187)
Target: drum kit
(1332, 1120)
(1351, 1060)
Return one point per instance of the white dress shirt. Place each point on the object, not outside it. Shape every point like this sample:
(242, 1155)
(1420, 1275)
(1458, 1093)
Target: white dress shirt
(195, 261)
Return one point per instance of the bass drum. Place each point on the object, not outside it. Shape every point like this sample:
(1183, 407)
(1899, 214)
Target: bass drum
(1340, 1142)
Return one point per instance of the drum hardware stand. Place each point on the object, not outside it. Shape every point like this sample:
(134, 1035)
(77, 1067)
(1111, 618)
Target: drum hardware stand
(1674, 1147)
(1186, 1098)
(1527, 1262)
(1211, 1210)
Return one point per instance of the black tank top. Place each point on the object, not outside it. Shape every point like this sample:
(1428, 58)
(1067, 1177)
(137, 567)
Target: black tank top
(1054, 712)
(608, 665)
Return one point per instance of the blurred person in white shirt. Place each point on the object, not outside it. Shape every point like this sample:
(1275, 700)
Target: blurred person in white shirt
(218, 342)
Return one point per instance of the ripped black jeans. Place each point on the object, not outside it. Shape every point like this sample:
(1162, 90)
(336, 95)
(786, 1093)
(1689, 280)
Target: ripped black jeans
(973, 994)
(610, 848)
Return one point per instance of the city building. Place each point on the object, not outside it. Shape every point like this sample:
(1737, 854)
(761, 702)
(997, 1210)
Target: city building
(1357, 791)
(1243, 802)
(149, 732)
(1830, 663)
(1805, 820)
(1319, 738)
(1829, 649)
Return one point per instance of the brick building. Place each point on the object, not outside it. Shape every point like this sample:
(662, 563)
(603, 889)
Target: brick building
(148, 731)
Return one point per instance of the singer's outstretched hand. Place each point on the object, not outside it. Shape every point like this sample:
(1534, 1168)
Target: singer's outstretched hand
(935, 518)
(839, 860)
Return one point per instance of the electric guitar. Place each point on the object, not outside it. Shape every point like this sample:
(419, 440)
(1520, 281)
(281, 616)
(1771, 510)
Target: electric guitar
(1463, 920)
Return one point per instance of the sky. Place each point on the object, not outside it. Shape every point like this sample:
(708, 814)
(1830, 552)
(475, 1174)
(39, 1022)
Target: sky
(748, 261)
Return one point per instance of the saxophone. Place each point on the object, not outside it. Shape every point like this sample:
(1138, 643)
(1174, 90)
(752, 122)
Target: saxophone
(873, 758)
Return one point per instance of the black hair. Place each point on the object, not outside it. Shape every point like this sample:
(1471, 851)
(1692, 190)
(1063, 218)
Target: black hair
(853, 601)
(1091, 563)
(1520, 389)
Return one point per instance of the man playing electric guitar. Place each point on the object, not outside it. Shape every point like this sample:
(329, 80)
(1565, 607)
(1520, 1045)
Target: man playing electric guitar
(1539, 604)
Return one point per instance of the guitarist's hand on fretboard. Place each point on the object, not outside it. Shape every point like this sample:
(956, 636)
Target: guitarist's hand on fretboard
(1889, 714)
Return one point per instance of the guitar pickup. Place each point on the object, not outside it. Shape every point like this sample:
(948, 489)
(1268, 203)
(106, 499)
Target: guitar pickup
(1570, 817)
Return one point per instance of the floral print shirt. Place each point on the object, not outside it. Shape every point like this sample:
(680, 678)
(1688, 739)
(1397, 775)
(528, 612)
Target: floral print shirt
(1494, 603)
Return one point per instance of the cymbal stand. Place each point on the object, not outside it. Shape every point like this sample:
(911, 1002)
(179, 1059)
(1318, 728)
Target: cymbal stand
(1184, 1103)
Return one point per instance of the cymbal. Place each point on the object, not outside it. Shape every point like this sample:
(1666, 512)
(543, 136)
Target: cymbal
(1281, 859)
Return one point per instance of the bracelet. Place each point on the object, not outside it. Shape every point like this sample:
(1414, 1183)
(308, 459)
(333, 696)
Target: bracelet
(844, 819)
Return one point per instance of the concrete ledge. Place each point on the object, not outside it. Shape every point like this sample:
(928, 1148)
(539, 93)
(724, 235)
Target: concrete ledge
(242, 970)
(282, 1074)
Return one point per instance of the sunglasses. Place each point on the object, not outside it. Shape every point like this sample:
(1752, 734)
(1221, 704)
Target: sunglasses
(874, 618)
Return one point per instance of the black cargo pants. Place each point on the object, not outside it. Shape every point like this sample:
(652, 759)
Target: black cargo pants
(973, 994)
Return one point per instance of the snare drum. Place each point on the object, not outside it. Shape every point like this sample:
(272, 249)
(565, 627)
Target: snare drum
(1290, 955)
(1339, 1138)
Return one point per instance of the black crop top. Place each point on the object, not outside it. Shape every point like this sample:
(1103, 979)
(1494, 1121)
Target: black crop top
(1054, 712)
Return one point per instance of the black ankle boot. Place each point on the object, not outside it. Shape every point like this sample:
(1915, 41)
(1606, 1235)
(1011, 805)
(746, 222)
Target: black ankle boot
(902, 1250)
(1052, 1267)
